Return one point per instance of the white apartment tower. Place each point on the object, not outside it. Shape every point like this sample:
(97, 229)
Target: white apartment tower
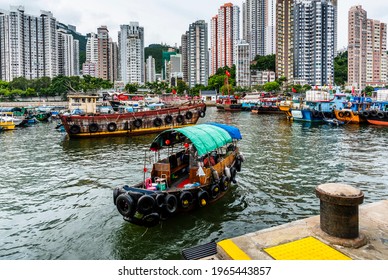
(243, 65)
(68, 54)
(90, 67)
(255, 26)
(131, 53)
(28, 45)
(197, 53)
(315, 32)
(150, 70)
(225, 35)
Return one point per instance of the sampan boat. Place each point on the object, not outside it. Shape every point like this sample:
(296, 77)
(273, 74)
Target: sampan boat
(200, 162)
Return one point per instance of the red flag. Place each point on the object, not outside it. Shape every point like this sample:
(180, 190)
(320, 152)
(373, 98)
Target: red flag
(173, 91)
(293, 90)
(227, 73)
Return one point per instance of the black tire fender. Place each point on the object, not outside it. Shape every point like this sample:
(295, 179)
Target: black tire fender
(168, 119)
(214, 191)
(189, 115)
(145, 204)
(203, 198)
(93, 127)
(179, 119)
(171, 203)
(137, 123)
(75, 129)
(186, 199)
(125, 205)
(150, 220)
(157, 122)
(111, 126)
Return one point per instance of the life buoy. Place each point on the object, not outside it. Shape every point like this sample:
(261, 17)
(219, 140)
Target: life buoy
(93, 127)
(214, 191)
(168, 119)
(203, 198)
(380, 114)
(150, 220)
(341, 114)
(137, 123)
(186, 199)
(171, 203)
(202, 114)
(125, 205)
(111, 127)
(347, 114)
(179, 119)
(160, 200)
(189, 115)
(75, 129)
(157, 122)
(145, 204)
(224, 183)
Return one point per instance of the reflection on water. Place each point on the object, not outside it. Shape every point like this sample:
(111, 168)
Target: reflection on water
(56, 194)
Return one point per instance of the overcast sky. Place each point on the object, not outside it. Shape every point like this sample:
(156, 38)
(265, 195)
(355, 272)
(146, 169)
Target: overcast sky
(163, 20)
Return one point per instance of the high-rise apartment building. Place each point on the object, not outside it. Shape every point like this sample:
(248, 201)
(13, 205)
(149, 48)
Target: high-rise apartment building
(28, 45)
(255, 26)
(197, 55)
(34, 47)
(113, 60)
(315, 41)
(285, 39)
(90, 66)
(103, 53)
(225, 35)
(243, 64)
(357, 39)
(68, 54)
(150, 70)
(131, 53)
(367, 47)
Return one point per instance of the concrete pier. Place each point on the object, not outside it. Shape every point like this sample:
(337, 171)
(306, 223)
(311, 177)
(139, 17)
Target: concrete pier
(373, 224)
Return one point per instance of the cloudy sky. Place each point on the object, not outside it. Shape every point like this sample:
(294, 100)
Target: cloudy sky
(163, 20)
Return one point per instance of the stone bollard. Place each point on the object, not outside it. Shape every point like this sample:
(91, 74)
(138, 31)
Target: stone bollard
(339, 209)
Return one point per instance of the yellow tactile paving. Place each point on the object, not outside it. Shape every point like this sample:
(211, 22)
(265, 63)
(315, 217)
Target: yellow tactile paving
(234, 252)
(308, 248)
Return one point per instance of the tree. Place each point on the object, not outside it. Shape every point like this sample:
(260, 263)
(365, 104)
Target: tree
(264, 63)
(271, 86)
(18, 83)
(181, 87)
(131, 88)
(368, 90)
(341, 68)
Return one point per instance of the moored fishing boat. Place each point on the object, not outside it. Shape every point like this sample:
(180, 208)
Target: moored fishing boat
(132, 123)
(376, 117)
(267, 105)
(199, 165)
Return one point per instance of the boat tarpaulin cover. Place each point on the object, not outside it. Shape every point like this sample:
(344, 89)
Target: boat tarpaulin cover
(205, 137)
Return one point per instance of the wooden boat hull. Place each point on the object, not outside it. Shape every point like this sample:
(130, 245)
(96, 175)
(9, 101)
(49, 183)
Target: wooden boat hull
(186, 179)
(132, 124)
(266, 110)
(7, 125)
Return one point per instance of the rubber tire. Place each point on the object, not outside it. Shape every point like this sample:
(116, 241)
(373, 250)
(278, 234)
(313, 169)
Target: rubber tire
(137, 123)
(179, 119)
(125, 205)
(75, 129)
(171, 204)
(145, 204)
(93, 128)
(111, 127)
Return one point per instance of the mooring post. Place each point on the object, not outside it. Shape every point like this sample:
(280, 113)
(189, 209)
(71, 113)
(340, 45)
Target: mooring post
(339, 209)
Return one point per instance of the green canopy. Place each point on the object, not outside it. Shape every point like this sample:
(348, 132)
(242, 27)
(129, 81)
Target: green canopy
(205, 137)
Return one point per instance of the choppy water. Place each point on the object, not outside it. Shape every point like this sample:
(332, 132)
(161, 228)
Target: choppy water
(56, 194)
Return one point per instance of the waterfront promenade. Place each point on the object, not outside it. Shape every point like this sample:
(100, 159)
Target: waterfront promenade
(304, 240)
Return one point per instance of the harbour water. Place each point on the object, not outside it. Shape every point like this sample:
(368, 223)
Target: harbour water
(56, 194)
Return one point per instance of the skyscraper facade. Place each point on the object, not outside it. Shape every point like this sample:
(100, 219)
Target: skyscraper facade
(131, 53)
(103, 53)
(197, 54)
(315, 41)
(29, 44)
(225, 35)
(243, 65)
(68, 55)
(255, 26)
(285, 39)
(90, 66)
